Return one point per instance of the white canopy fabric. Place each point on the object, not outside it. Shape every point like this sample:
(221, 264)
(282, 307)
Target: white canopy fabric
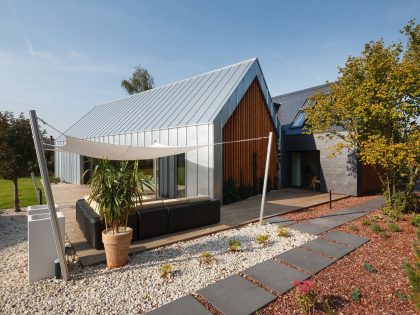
(121, 152)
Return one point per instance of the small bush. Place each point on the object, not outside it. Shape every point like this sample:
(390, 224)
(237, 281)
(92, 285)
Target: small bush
(206, 258)
(355, 295)
(370, 268)
(353, 228)
(415, 219)
(166, 271)
(305, 295)
(328, 309)
(384, 234)
(262, 239)
(376, 228)
(234, 245)
(283, 232)
(393, 227)
(401, 296)
(55, 180)
(366, 222)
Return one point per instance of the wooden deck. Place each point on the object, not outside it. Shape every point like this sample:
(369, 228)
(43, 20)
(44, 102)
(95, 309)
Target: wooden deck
(233, 215)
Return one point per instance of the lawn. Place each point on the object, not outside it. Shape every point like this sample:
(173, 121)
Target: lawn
(27, 193)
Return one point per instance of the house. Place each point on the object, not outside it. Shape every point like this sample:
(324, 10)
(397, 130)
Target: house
(305, 160)
(224, 105)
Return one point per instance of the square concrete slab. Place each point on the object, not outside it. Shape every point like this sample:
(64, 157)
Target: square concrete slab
(275, 275)
(280, 221)
(324, 222)
(344, 218)
(328, 248)
(305, 259)
(236, 296)
(345, 238)
(309, 228)
(185, 305)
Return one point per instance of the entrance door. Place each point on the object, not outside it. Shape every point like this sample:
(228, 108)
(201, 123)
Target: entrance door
(296, 169)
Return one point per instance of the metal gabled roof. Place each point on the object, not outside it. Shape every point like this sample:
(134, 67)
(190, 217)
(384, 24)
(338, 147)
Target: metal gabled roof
(191, 101)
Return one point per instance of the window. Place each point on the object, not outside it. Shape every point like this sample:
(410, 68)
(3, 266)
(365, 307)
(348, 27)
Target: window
(299, 120)
(180, 175)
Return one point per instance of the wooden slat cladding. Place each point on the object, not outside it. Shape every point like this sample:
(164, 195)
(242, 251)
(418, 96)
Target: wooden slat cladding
(250, 119)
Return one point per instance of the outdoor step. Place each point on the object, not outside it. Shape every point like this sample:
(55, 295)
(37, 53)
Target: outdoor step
(236, 296)
(324, 222)
(280, 221)
(185, 305)
(306, 260)
(309, 228)
(275, 275)
(346, 238)
(328, 248)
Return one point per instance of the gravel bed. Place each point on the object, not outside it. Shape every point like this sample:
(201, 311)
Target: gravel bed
(137, 287)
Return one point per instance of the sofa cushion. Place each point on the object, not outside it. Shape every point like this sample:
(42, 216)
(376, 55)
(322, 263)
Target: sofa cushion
(152, 222)
(150, 205)
(181, 217)
(198, 199)
(207, 212)
(175, 202)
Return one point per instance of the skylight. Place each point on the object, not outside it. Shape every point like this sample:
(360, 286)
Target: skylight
(299, 120)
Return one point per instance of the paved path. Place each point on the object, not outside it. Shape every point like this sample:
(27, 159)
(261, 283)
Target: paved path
(233, 215)
(236, 295)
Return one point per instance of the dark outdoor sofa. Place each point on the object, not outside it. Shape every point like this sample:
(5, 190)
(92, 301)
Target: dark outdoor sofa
(153, 218)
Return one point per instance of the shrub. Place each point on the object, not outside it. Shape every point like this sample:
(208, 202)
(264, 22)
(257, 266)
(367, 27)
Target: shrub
(413, 273)
(415, 219)
(355, 295)
(262, 239)
(366, 222)
(305, 296)
(401, 296)
(328, 308)
(283, 232)
(383, 234)
(396, 207)
(166, 271)
(353, 228)
(55, 180)
(370, 268)
(234, 245)
(206, 258)
(393, 227)
(376, 228)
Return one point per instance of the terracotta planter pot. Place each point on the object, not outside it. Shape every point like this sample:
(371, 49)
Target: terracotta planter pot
(117, 247)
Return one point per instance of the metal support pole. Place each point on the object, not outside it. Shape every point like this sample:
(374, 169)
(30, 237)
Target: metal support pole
(330, 198)
(155, 165)
(267, 166)
(48, 193)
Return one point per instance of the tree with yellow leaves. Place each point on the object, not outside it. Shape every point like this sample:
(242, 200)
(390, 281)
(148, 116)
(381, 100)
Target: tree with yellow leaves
(373, 107)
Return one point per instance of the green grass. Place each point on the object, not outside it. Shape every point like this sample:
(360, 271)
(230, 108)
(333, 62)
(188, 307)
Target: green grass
(27, 193)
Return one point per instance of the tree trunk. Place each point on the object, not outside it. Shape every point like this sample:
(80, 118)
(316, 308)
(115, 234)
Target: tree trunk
(16, 194)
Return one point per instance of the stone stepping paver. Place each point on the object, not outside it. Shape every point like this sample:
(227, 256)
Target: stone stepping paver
(324, 222)
(185, 305)
(305, 259)
(329, 248)
(236, 296)
(275, 275)
(309, 228)
(345, 238)
(280, 221)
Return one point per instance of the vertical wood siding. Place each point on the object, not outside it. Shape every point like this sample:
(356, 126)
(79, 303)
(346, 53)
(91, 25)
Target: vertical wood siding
(250, 119)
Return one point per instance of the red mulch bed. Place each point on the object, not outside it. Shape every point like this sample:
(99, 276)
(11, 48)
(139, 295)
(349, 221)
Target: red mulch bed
(317, 211)
(378, 290)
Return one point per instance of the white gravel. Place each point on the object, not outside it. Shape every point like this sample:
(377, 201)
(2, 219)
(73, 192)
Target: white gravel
(135, 288)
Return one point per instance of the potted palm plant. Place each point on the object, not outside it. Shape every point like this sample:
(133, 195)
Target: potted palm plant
(117, 188)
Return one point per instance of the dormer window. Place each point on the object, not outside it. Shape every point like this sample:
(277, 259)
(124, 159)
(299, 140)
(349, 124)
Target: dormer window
(299, 120)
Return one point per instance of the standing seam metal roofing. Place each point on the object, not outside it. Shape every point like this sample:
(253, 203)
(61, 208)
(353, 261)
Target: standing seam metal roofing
(195, 100)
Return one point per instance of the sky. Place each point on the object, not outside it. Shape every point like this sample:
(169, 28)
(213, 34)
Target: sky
(62, 58)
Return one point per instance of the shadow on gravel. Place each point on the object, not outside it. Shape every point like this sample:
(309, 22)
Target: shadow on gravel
(13, 229)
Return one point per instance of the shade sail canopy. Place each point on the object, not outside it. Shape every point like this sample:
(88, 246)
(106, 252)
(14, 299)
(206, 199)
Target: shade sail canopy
(121, 152)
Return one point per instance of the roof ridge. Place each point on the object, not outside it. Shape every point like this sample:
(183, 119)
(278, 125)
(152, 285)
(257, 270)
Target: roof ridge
(175, 82)
(303, 90)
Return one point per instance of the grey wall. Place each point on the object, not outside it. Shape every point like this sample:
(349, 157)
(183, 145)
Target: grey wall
(338, 173)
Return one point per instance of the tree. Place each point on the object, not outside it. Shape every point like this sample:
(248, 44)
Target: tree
(373, 107)
(17, 151)
(140, 81)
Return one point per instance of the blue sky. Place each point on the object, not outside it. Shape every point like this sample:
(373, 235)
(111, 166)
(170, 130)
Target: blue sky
(63, 58)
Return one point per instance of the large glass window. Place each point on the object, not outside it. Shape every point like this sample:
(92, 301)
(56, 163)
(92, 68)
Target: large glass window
(180, 175)
(146, 166)
(299, 120)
